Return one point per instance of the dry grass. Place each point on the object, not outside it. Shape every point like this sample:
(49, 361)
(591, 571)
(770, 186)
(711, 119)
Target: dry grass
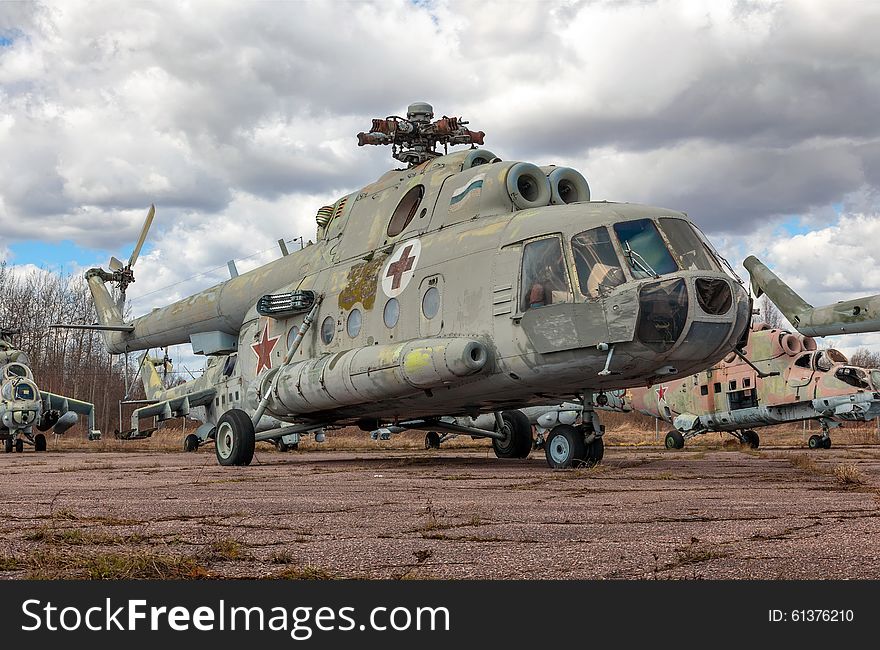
(697, 552)
(308, 572)
(8, 563)
(78, 537)
(848, 475)
(55, 565)
(804, 463)
(226, 549)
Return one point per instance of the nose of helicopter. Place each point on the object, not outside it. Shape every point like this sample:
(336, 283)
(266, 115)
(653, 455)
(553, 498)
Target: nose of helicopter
(692, 318)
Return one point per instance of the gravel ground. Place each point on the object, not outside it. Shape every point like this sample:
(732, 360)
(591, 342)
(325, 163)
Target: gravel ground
(457, 513)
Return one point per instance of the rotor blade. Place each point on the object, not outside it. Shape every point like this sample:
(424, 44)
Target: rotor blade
(115, 264)
(137, 249)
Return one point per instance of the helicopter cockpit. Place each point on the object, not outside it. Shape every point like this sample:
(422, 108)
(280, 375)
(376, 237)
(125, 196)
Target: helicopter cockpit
(20, 397)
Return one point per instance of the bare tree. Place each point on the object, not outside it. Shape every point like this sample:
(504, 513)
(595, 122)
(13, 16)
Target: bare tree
(770, 314)
(865, 358)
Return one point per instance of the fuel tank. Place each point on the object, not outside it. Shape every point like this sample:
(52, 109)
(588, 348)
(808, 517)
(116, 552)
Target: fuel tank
(370, 373)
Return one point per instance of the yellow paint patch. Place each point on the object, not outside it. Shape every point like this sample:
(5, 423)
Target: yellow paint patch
(418, 359)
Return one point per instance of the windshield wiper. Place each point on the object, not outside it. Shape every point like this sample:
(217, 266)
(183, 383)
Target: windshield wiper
(637, 261)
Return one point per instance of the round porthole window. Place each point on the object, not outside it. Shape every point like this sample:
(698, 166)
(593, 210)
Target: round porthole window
(291, 336)
(353, 324)
(431, 302)
(405, 210)
(327, 328)
(391, 313)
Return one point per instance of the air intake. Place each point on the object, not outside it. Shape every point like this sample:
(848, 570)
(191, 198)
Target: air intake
(279, 305)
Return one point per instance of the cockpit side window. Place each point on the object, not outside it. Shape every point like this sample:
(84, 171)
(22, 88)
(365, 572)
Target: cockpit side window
(596, 262)
(691, 252)
(803, 361)
(822, 362)
(229, 368)
(644, 249)
(853, 376)
(544, 276)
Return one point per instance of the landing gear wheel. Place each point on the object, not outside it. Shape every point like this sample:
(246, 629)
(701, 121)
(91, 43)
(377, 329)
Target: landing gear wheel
(432, 440)
(565, 447)
(815, 442)
(826, 443)
(674, 440)
(235, 442)
(518, 436)
(596, 451)
(751, 439)
(7, 445)
(19, 446)
(191, 443)
(39, 442)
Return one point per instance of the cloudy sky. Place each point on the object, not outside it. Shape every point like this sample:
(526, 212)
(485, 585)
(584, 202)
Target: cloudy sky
(759, 119)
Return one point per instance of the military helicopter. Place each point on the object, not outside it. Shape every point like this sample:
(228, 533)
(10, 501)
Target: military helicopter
(781, 377)
(844, 317)
(460, 285)
(23, 407)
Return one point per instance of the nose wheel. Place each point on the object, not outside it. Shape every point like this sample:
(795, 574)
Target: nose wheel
(191, 443)
(234, 442)
(819, 442)
(674, 440)
(567, 448)
(750, 439)
(7, 445)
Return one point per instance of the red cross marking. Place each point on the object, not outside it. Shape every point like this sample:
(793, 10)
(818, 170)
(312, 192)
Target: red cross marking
(263, 349)
(401, 266)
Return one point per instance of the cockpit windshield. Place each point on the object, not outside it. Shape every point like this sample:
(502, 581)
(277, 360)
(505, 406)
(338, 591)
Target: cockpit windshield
(644, 249)
(692, 254)
(544, 276)
(596, 262)
(25, 391)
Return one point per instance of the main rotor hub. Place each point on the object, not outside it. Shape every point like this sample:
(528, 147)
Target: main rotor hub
(414, 139)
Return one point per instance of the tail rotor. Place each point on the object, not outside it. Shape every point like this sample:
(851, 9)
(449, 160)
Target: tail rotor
(121, 274)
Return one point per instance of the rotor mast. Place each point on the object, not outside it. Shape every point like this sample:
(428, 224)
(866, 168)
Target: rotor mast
(415, 139)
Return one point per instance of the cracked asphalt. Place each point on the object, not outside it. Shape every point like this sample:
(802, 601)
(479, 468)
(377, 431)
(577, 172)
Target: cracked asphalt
(459, 513)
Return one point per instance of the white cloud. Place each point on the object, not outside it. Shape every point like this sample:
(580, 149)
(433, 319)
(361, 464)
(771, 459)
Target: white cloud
(238, 120)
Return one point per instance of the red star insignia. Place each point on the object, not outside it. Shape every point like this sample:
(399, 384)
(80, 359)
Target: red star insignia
(661, 393)
(263, 349)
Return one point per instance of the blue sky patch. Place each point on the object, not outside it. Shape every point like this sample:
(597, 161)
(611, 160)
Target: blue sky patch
(61, 254)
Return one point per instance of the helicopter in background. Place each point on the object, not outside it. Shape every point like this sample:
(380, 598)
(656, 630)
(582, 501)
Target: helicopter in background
(28, 413)
(779, 378)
